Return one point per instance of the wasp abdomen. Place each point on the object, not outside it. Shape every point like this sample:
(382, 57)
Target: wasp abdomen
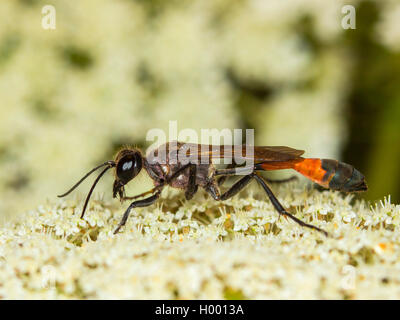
(342, 176)
(332, 174)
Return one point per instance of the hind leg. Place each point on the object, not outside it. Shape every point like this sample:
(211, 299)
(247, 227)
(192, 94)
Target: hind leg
(242, 183)
(277, 205)
(293, 178)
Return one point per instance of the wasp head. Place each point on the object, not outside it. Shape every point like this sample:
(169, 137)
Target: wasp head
(129, 162)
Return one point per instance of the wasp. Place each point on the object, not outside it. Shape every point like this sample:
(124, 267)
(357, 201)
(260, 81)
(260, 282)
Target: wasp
(166, 169)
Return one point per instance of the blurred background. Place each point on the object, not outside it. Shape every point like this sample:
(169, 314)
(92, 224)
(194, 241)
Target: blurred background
(113, 69)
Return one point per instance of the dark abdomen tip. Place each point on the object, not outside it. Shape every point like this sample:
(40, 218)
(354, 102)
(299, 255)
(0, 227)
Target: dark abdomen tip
(356, 182)
(344, 177)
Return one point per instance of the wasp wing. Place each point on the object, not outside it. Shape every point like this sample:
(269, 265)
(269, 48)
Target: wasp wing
(239, 153)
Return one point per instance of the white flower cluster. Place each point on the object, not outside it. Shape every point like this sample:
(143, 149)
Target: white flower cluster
(203, 249)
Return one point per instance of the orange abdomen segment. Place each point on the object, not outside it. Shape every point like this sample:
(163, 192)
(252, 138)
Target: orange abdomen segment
(313, 170)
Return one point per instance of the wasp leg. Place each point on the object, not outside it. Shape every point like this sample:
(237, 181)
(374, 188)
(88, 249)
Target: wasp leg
(280, 208)
(222, 179)
(233, 171)
(238, 186)
(281, 180)
(244, 182)
(229, 171)
(137, 204)
(140, 195)
(192, 186)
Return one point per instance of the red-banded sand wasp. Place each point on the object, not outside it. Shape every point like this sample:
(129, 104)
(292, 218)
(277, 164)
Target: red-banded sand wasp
(187, 166)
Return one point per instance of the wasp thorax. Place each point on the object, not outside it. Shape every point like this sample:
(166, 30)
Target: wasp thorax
(128, 165)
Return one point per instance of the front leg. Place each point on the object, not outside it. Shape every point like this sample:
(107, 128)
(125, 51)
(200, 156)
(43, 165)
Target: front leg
(137, 204)
(140, 195)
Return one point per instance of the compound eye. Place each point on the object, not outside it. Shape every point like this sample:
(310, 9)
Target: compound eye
(128, 167)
